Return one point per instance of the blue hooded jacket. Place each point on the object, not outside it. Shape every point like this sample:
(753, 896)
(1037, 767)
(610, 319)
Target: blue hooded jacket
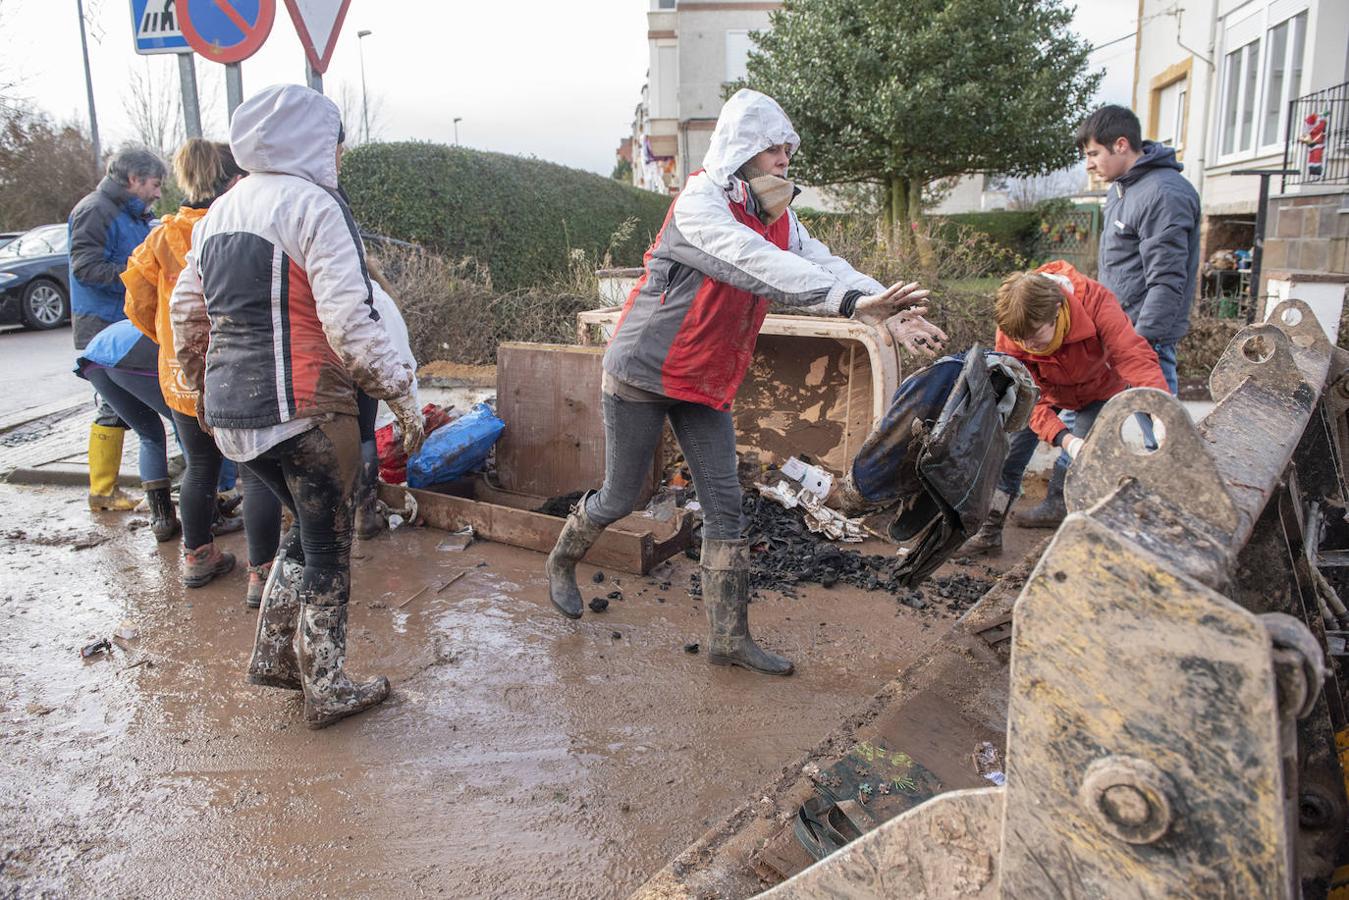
(1149, 256)
(105, 227)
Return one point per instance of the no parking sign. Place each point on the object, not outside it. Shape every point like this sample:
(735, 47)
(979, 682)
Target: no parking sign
(226, 31)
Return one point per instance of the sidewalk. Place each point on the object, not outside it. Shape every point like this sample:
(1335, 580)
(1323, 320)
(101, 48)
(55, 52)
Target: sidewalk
(50, 445)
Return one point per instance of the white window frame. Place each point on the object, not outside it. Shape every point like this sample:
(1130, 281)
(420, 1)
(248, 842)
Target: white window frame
(1290, 90)
(1237, 34)
(1182, 87)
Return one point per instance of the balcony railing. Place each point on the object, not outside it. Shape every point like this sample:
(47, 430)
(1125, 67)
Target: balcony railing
(1317, 145)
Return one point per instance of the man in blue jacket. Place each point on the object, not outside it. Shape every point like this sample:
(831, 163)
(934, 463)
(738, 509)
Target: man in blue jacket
(1149, 255)
(105, 227)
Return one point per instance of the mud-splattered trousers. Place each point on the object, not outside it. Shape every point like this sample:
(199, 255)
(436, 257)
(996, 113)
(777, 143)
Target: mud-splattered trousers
(707, 436)
(197, 496)
(314, 475)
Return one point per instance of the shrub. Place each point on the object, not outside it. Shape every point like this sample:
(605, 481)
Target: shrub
(1014, 230)
(518, 218)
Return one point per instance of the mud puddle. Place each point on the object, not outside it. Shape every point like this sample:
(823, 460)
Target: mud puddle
(520, 755)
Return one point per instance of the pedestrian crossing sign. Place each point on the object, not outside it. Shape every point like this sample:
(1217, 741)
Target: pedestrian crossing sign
(154, 25)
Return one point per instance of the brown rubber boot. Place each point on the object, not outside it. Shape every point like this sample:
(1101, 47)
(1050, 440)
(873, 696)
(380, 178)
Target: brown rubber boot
(576, 538)
(258, 576)
(1049, 512)
(163, 517)
(987, 541)
(329, 694)
(203, 565)
(726, 594)
(274, 663)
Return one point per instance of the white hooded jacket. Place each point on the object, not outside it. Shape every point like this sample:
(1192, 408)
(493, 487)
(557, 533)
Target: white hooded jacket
(275, 295)
(690, 323)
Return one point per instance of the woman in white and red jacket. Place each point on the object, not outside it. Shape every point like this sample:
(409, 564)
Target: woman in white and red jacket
(729, 247)
(275, 322)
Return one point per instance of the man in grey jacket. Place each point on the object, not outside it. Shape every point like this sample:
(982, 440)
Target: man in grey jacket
(1149, 256)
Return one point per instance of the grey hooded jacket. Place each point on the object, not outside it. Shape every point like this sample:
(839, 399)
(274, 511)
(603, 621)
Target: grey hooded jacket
(1149, 252)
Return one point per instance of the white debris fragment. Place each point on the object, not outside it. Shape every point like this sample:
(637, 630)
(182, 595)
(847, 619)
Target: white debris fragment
(812, 478)
(819, 518)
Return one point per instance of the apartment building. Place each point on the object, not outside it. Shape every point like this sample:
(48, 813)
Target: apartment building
(1235, 86)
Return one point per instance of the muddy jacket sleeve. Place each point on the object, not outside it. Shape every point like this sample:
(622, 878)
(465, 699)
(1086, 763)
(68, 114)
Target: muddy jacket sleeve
(1164, 247)
(1126, 351)
(191, 325)
(89, 224)
(142, 290)
(706, 236)
(333, 258)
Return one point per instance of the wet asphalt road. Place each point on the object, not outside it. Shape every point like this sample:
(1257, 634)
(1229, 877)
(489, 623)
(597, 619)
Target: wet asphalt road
(35, 369)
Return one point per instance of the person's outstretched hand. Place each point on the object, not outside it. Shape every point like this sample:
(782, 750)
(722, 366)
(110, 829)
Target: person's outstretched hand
(410, 422)
(895, 313)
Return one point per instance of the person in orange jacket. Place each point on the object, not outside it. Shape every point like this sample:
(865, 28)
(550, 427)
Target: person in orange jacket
(204, 170)
(1076, 341)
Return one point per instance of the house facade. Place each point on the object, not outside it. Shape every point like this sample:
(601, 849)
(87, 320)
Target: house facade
(1231, 86)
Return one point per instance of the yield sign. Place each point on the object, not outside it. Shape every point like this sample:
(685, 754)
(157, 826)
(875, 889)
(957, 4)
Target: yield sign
(318, 23)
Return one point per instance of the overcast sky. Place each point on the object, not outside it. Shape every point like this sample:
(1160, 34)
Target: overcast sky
(556, 80)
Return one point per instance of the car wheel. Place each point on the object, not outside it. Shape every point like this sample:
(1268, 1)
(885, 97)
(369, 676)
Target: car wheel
(44, 305)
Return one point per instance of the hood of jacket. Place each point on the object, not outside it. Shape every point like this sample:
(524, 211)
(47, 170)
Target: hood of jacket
(749, 123)
(1155, 156)
(288, 129)
(177, 230)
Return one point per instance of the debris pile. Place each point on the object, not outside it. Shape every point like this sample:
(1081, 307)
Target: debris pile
(785, 554)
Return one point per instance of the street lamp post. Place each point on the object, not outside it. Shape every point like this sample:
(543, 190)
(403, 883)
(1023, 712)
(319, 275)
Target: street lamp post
(457, 120)
(89, 86)
(365, 103)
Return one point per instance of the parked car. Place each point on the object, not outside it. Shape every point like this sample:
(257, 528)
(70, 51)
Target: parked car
(35, 278)
(7, 236)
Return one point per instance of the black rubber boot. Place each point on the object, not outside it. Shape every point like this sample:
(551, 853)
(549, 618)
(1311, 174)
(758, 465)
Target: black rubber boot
(274, 663)
(163, 517)
(1049, 512)
(371, 514)
(329, 693)
(987, 541)
(576, 538)
(726, 594)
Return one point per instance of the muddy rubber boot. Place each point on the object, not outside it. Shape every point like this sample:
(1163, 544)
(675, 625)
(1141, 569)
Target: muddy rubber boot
(371, 514)
(576, 538)
(329, 694)
(987, 541)
(205, 564)
(725, 575)
(105, 461)
(258, 576)
(274, 663)
(163, 517)
(1049, 512)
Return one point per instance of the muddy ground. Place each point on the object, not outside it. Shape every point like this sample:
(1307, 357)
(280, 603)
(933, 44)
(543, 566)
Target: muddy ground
(521, 755)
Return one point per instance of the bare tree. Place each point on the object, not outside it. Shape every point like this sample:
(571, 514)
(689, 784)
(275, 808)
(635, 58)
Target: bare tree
(154, 107)
(348, 100)
(1027, 192)
(44, 168)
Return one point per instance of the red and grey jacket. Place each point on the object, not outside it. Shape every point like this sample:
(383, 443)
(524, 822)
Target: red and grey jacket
(275, 296)
(689, 326)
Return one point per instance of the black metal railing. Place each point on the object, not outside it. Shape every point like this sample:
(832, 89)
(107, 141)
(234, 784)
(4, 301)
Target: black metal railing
(1317, 146)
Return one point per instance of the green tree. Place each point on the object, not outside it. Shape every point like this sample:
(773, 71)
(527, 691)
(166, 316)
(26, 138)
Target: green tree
(899, 95)
(45, 168)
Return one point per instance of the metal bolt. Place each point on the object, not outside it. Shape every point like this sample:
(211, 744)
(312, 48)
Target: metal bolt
(1128, 798)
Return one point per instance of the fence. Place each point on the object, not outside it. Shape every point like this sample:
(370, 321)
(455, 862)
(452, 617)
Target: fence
(1317, 146)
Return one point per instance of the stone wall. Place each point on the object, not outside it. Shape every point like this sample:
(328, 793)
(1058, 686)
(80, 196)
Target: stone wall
(1308, 232)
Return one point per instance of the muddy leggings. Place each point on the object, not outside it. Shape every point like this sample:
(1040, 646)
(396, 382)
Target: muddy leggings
(706, 435)
(314, 475)
(197, 496)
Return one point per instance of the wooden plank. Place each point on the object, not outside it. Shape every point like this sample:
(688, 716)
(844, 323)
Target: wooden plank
(617, 547)
(549, 397)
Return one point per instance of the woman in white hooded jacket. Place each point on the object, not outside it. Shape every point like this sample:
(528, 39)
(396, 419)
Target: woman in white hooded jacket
(730, 245)
(275, 322)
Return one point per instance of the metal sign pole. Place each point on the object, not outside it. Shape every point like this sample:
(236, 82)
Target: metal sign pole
(234, 87)
(187, 74)
(313, 78)
(1258, 245)
(89, 86)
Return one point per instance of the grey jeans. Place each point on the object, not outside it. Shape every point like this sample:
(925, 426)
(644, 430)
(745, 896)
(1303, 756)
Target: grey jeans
(707, 437)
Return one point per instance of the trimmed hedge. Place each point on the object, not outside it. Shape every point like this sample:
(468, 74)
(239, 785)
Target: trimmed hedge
(519, 217)
(1017, 230)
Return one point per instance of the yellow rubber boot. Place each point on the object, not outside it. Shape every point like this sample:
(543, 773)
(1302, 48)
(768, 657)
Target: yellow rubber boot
(105, 461)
